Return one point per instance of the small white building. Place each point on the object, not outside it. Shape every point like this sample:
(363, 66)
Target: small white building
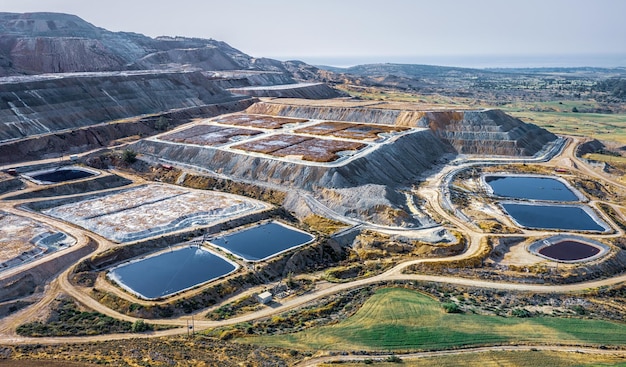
(264, 298)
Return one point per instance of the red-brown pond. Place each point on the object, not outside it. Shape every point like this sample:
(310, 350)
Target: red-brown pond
(569, 250)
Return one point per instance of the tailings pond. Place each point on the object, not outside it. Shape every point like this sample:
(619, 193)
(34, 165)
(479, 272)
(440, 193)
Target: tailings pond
(565, 217)
(569, 251)
(531, 188)
(263, 241)
(60, 175)
(171, 272)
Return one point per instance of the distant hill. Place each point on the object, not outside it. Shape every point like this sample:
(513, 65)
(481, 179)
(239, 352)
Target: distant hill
(35, 43)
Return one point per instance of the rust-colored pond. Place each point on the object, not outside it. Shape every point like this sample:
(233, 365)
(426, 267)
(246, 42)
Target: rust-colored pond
(569, 251)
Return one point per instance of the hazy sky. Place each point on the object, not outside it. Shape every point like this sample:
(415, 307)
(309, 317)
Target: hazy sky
(362, 28)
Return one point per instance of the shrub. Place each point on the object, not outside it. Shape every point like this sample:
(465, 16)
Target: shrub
(451, 307)
(580, 310)
(520, 312)
(140, 326)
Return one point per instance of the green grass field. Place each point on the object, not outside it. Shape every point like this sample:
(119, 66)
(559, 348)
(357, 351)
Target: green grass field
(594, 125)
(505, 359)
(405, 320)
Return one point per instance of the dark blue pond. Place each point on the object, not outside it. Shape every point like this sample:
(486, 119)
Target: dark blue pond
(62, 175)
(566, 217)
(171, 272)
(531, 188)
(262, 241)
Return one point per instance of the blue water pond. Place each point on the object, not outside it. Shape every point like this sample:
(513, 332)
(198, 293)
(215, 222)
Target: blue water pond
(171, 272)
(565, 217)
(262, 241)
(530, 188)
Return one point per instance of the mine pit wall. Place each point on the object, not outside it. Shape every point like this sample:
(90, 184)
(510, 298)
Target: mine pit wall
(491, 132)
(9, 183)
(314, 91)
(232, 79)
(99, 136)
(396, 164)
(350, 114)
(43, 105)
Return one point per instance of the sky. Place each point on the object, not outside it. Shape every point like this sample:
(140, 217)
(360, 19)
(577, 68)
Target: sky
(373, 31)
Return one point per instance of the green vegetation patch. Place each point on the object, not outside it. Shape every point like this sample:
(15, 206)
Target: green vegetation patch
(605, 158)
(67, 320)
(401, 319)
(503, 359)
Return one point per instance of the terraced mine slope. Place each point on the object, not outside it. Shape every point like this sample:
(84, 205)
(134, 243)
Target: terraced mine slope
(469, 132)
(296, 155)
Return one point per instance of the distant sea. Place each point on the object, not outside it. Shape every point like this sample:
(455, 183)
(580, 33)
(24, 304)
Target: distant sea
(474, 61)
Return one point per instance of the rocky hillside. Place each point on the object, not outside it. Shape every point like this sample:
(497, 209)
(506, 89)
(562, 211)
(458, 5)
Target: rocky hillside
(50, 43)
(35, 43)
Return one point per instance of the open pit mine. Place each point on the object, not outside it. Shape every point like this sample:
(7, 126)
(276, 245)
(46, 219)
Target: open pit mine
(130, 165)
(205, 109)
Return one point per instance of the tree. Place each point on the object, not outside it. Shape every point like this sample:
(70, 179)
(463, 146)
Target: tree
(129, 156)
(162, 124)
(574, 109)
